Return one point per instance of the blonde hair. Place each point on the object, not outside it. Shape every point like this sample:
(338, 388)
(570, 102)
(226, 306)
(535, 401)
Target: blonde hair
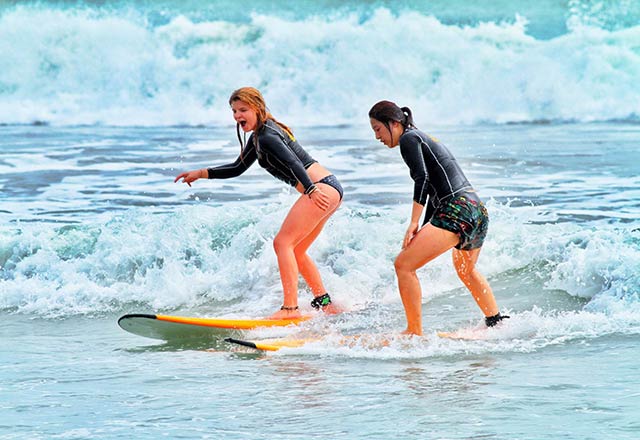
(254, 99)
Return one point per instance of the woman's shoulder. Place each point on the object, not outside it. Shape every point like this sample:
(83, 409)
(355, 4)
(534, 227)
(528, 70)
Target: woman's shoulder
(270, 133)
(270, 128)
(412, 136)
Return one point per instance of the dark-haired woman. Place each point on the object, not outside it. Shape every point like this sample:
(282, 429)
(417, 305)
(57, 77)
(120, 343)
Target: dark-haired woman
(455, 216)
(273, 145)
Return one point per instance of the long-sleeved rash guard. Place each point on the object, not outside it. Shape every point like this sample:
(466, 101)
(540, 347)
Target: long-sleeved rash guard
(276, 151)
(433, 168)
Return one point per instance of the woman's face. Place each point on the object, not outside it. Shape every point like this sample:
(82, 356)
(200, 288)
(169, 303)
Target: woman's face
(244, 115)
(389, 138)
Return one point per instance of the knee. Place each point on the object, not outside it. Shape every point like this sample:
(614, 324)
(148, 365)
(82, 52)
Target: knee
(402, 266)
(300, 254)
(281, 243)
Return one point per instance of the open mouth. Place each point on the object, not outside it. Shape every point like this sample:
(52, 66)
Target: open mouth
(242, 123)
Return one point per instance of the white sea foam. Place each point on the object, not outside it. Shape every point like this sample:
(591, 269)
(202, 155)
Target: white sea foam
(524, 332)
(222, 259)
(66, 66)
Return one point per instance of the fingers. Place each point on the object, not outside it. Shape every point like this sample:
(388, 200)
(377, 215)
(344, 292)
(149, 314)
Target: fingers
(324, 203)
(321, 200)
(408, 236)
(321, 205)
(187, 177)
(407, 239)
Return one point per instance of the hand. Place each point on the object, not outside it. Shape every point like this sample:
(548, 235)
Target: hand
(320, 199)
(408, 236)
(190, 176)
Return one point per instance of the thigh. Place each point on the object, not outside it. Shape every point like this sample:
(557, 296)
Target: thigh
(308, 240)
(427, 244)
(466, 257)
(465, 261)
(305, 219)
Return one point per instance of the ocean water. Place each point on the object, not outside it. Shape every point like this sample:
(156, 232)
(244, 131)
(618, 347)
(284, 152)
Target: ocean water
(103, 103)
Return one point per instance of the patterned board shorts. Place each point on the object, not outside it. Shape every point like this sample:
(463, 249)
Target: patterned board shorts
(466, 216)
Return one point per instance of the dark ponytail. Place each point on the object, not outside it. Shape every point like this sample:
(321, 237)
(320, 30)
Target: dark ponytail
(387, 111)
(408, 117)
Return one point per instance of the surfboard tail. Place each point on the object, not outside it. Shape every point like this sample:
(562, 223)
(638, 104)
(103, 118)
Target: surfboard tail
(241, 342)
(271, 344)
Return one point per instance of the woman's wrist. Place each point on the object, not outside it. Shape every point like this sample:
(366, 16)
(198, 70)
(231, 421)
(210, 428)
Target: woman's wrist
(313, 188)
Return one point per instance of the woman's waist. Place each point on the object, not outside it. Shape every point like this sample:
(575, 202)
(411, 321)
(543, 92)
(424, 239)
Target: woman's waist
(316, 173)
(468, 192)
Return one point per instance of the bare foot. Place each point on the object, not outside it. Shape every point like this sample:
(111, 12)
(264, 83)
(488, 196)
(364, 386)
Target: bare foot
(286, 314)
(332, 309)
(408, 332)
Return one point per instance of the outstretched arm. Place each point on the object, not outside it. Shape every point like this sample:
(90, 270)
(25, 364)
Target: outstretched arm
(241, 164)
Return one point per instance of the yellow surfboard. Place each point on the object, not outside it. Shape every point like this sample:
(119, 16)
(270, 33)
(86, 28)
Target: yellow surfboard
(167, 327)
(351, 341)
(272, 344)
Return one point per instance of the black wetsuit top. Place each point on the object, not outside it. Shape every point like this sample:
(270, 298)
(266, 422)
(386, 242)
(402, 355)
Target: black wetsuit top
(276, 151)
(433, 168)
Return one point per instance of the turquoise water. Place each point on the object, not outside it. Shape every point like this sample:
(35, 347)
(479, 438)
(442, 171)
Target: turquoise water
(101, 383)
(95, 228)
(102, 104)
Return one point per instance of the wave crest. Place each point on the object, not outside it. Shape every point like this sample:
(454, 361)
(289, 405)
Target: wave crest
(118, 68)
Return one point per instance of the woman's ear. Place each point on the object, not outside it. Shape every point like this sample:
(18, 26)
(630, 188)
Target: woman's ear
(397, 127)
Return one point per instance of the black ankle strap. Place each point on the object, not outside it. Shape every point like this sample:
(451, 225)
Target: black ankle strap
(288, 308)
(490, 321)
(321, 301)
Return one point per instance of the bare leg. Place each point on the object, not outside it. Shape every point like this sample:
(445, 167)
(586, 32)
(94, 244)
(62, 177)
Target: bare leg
(426, 245)
(465, 264)
(301, 226)
(308, 268)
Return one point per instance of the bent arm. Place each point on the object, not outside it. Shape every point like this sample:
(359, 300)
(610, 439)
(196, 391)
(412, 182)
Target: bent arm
(414, 224)
(282, 153)
(411, 150)
(416, 212)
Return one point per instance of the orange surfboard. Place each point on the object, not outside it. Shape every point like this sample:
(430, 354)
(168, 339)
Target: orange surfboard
(167, 327)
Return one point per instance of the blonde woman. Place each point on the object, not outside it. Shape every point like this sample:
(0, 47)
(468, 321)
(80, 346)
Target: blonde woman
(275, 148)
